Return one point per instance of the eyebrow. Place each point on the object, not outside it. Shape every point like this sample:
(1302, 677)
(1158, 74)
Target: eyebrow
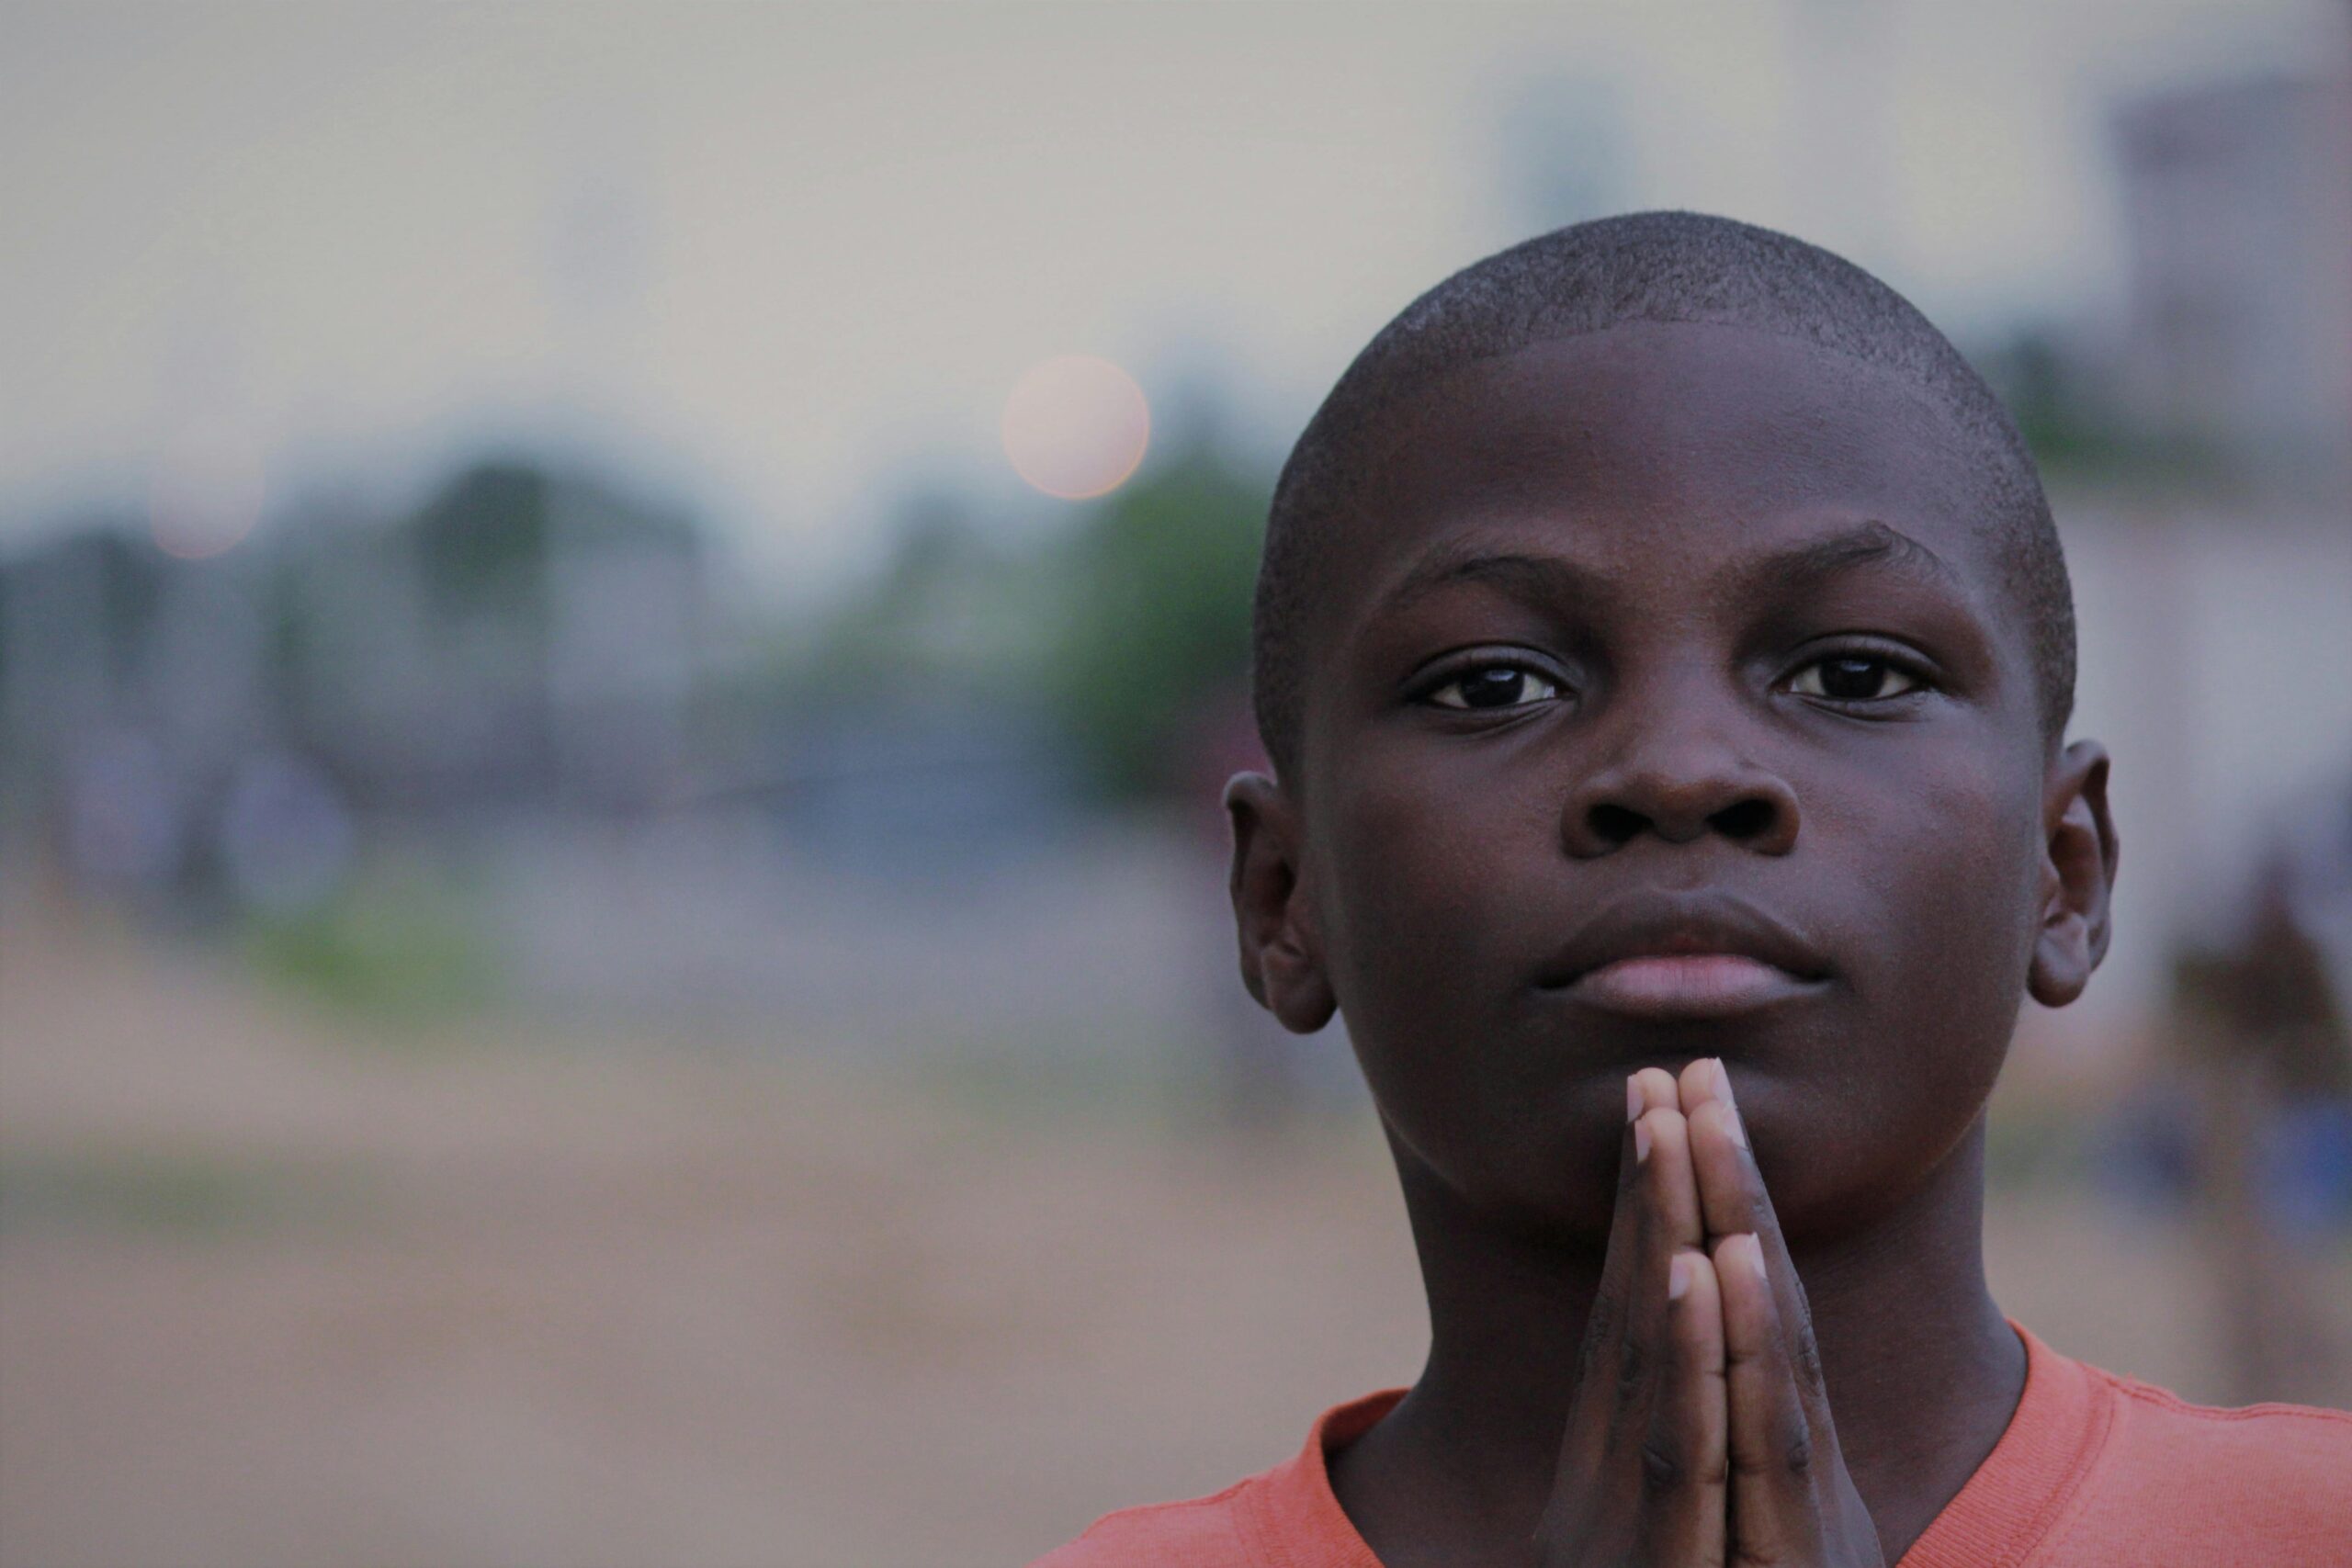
(1871, 543)
(1555, 580)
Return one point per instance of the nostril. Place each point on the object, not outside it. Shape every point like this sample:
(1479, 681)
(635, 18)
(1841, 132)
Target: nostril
(1615, 824)
(1749, 819)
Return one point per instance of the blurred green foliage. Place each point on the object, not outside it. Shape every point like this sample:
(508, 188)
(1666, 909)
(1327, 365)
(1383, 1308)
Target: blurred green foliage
(176, 1191)
(405, 952)
(486, 537)
(1118, 625)
(955, 612)
(2076, 431)
(1155, 611)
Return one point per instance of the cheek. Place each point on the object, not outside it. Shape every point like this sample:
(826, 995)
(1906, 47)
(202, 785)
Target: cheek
(1423, 923)
(1421, 873)
(1967, 904)
(1942, 938)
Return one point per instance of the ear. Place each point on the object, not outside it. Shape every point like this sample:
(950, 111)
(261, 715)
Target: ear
(2077, 875)
(1281, 950)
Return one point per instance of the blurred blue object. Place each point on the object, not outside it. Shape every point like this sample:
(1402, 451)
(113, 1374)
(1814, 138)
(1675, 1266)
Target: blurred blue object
(2146, 1152)
(2305, 1165)
(926, 792)
(2148, 1160)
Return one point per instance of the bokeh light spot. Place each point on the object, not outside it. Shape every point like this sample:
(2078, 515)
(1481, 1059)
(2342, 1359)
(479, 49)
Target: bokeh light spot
(208, 492)
(1076, 426)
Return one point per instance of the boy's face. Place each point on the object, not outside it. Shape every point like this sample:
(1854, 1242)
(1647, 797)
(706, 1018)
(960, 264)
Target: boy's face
(1574, 694)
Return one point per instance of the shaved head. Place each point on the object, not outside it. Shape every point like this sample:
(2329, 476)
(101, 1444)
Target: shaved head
(1649, 266)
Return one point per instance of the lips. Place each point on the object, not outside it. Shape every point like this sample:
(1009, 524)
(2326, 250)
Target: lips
(1660, 954)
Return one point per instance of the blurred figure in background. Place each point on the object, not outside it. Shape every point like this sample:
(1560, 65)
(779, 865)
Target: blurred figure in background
(2263, 1009)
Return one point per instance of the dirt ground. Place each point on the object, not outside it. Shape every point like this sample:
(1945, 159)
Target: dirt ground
(277, 1292)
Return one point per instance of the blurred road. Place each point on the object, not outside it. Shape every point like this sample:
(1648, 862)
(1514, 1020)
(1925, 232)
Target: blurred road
(279, 1289)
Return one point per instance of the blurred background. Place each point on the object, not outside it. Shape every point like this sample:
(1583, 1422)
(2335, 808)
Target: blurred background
(618, 629)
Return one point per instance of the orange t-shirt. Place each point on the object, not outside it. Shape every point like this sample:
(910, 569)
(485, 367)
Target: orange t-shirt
(2094, 1468)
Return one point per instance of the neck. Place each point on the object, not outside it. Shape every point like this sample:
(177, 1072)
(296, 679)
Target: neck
(1922, 1370)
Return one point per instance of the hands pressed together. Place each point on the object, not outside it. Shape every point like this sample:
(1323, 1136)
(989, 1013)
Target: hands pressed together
(1700, 1433)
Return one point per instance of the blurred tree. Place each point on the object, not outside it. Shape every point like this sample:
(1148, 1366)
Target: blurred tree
(483, 539)
(486, 537)
(1157, 583)
(1120, 627)
(2064, 404)
(90, 594)
(954, 614)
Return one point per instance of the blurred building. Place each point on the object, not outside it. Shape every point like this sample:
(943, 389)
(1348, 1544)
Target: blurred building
(523, 640)
(2237, 207)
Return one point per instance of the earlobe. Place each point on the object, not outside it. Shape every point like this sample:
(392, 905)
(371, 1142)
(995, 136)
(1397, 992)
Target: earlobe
(2077, 876)
(1282, 956)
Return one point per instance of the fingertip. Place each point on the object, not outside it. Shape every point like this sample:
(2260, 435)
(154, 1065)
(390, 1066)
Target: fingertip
(1721, 1116)
(1693, 1283)
(1700, 1274)
(1697, 1081)
(1743, 1251)
(1662, 1125)
(1657, 1089)
(1694, 1297)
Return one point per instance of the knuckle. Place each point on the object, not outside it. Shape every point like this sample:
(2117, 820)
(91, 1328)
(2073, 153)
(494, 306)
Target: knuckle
(1607, 1313)
(1796, 1448)
(1588, 1365)
(1808, 1357)
(1663, 1467)
(1632, 1367)
(1600, 1332)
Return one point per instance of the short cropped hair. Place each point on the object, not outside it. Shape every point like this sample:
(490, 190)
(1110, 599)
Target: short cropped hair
(1645, 266)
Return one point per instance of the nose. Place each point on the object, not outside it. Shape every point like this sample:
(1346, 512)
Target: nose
(1675, 773)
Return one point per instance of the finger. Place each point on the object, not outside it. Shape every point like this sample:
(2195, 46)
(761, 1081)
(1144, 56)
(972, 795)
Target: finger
(1775, 1517)
(1730, 1188)
(1656, 1090)
(1592, 1414)
(1702, 1078)
(1602, 1509)
(1734, 1202)
(1669, 1223)
(1618, 1263)
(1673, 1182)
(1686, 1456)
(1650, 1088)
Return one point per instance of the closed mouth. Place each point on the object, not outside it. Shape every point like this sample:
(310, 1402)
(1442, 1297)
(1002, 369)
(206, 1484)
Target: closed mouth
(1660, 954)
(1695, 985)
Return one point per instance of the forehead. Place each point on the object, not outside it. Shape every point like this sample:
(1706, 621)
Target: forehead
(1693, 442)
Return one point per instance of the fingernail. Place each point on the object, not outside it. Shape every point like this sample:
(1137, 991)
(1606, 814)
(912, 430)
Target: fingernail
(1722, 1088)
(1641, 1142)
(1755, 1254)
(1678, 1277)
(1633, 1098)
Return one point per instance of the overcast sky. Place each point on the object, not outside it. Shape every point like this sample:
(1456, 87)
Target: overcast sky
(803, 252)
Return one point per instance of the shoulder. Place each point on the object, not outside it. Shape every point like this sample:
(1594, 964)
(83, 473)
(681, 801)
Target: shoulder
(2284, 1441)
(2201, 1477)
(1201, 1532)
(1286, 1514)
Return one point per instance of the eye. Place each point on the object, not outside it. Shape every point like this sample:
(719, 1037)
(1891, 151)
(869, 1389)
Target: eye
(1495, 686)
(1854, 678)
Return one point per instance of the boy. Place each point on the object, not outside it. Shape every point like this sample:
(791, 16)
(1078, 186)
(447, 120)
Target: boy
(1665, 655)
